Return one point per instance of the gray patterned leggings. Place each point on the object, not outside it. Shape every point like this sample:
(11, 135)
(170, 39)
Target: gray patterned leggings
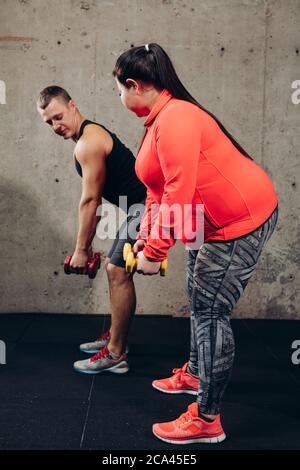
(217, 275)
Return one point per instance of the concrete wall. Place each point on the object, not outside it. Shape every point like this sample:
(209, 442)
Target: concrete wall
(238, 57)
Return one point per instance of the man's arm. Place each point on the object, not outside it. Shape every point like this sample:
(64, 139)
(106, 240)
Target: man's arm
(91, 154)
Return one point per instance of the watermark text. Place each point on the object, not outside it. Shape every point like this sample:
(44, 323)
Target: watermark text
(2, 92)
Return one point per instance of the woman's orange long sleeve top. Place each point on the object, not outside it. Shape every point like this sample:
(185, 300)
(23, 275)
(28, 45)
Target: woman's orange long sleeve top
(186, 159)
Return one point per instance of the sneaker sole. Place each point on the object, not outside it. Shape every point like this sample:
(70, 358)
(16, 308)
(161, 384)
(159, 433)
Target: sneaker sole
(115, 369)
(95, 351)
(175, 392)
(90, 351)
(203, 440)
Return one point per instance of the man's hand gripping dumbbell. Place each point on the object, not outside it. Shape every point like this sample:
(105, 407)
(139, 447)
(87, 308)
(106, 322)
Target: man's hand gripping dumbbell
(92, 266)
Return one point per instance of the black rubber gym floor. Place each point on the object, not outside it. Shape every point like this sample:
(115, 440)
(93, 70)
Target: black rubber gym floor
(44, 404)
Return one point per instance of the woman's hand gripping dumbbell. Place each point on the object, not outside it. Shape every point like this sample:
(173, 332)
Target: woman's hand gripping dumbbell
(131, 259)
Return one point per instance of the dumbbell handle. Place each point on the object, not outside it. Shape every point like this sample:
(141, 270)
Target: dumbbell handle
(93, 265)
(131, 261)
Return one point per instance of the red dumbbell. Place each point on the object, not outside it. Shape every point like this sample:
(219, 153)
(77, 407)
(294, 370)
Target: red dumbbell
(93, 265)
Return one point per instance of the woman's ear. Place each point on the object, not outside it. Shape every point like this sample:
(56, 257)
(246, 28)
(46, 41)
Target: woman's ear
(130, 83)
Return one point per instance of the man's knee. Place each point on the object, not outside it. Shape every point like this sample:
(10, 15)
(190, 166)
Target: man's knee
(116, 274)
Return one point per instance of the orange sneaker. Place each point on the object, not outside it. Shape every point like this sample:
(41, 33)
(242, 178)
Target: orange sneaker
(190, 429)
(181, 382)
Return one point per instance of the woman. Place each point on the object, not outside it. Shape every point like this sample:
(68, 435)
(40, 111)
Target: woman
(187, 157)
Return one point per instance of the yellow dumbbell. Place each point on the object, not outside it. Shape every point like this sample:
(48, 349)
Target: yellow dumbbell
(127, 249)
(131, 261)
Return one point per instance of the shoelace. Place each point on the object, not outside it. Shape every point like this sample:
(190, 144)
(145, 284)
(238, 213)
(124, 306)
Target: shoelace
(185, 418)
(100, 354)
(105, 335)
(178, 373)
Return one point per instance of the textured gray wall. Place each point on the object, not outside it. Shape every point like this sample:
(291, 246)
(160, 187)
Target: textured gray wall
(238, 57)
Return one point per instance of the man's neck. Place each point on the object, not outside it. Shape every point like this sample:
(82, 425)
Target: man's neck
(79, 120)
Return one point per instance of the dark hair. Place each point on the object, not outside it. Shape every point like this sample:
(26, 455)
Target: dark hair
(50, 92)
(151, 64)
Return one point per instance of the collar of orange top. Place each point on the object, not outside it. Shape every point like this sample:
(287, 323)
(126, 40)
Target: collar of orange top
(162, 100)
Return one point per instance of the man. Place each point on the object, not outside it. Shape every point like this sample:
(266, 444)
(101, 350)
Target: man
(107, 169)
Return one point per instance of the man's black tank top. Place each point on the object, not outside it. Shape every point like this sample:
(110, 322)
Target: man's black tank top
(121, 179)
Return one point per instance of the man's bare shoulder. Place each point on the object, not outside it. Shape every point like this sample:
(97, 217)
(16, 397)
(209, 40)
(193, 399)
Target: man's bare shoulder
(94, 140)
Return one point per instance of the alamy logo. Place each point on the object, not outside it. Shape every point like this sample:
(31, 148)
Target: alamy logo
(2, 352)
(296, 94)
(163, 221)
(296, 354)
(2, 92)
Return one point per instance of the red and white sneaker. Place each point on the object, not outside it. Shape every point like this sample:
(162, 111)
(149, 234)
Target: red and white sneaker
(94, 346)
(190, 429)
(100, 343)
(102, 362)
(181, 382)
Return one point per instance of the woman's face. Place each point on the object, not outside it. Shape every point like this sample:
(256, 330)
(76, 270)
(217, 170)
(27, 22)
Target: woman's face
(133, 97)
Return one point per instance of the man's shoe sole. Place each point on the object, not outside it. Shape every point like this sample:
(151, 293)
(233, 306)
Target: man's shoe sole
(95, 351)
(115, 369)
(89, 351)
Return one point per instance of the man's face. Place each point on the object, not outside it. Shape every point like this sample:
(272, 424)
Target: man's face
(60, 115)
